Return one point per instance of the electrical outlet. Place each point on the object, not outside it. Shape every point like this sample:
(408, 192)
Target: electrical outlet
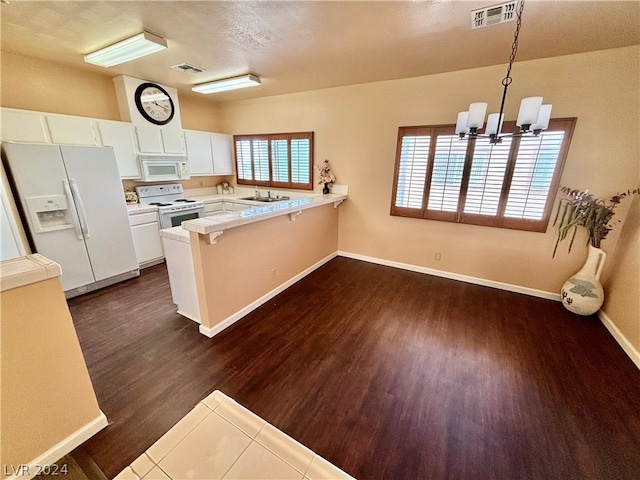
(273, 274)
(438, 256)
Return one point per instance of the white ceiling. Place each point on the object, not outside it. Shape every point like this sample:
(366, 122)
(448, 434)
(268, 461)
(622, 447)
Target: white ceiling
(306, 45)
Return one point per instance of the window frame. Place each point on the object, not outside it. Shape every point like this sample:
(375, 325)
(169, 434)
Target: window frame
(567, 125)
(269, 137)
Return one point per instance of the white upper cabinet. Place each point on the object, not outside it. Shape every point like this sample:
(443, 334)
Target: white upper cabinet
(173, 141)
(199, 152)
(119, 135)
(68, 130)
(157, 140)
(222, 148)
(149, 140)
(20, 126)
(209, 153)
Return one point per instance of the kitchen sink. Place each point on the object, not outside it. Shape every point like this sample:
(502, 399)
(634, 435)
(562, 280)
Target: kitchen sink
(265, 199)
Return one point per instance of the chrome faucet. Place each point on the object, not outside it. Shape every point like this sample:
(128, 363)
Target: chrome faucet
(268, 193)
(257, 194)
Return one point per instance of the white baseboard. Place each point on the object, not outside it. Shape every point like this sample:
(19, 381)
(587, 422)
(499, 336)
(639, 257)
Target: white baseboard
(230, 320)
(454, 276)
(63, 447)
(629, 349)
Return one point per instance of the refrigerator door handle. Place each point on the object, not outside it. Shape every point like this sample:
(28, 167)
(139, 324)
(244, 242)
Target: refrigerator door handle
(69, 196)
(83, 214)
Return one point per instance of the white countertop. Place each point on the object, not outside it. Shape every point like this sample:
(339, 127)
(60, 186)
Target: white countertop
(18, 272)
(220, 222)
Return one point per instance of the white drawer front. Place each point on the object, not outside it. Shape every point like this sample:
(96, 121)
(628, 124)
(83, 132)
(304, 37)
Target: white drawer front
(142, 218)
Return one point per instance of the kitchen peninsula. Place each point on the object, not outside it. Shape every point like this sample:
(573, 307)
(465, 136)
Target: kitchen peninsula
(223, 266)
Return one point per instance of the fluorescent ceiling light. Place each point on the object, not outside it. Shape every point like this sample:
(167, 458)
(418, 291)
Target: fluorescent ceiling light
(135, 47)
(223, 85)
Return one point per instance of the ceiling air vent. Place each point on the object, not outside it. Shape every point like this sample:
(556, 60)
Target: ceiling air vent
(185, 67)
(485, 17)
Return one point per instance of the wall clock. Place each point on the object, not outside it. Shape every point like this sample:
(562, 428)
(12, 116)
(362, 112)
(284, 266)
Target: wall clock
(154, 103)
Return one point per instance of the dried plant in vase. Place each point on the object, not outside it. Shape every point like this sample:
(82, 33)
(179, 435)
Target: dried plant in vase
(583, 293)
(581, 209)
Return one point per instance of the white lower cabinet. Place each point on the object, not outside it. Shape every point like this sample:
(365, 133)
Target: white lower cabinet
(145, 229)
(182, 278)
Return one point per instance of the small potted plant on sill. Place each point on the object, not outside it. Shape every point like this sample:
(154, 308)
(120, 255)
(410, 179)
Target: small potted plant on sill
(582, 293)
(326, 178)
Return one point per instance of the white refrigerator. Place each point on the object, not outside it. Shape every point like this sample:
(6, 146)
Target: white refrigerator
(72, 202)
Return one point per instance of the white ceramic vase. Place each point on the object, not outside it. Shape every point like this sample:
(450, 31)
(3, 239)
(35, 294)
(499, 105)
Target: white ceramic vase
(583, 293)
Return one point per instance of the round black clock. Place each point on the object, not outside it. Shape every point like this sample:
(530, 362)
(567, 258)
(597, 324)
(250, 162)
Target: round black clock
(154, 103)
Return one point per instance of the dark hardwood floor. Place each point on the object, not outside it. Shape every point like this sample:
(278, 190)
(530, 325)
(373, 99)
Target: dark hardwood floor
(388, 374)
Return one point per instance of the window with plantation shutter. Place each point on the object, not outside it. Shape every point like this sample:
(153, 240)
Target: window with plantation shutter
(446, 176)
(488, 168)
(535, 165)
(413, 170)
(510, 184)
(275, 160)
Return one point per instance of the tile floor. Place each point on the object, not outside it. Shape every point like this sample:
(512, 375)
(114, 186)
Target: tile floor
(220, 439)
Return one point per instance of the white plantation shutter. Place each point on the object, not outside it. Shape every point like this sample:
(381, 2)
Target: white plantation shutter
(414, 160)
(279, 161)
(509, 184)
(446, 179)
(300, 160)
(243, 160)
(488, 167)
(261, 160)
(535, 165)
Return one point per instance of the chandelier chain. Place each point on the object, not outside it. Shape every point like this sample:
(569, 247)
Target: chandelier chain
(514, 46)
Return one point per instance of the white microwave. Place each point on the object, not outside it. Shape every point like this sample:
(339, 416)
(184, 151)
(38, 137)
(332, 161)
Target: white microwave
(156, 168)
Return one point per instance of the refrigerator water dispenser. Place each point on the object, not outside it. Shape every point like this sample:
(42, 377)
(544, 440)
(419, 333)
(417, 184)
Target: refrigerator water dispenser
(49, 213)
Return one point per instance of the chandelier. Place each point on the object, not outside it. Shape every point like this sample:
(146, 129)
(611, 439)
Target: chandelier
(533, 117)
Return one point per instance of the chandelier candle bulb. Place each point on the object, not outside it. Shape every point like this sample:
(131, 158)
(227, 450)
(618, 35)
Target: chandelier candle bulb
(461, 124)
(542, 123)
(529, 111)
(494, 124)
(477, 112)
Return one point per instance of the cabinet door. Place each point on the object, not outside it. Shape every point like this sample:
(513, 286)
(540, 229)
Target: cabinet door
(120, 136)
(199, 152)
(71, 130)
(23, 127)
(212, 208)
(172, 141)
(222, 149)
(147, 243)
(149, 140)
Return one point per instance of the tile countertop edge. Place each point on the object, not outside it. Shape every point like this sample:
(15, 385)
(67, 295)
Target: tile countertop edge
(21, 271)
(209, 225)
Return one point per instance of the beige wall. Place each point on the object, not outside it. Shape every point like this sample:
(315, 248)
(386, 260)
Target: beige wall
(33, 84)
(46, 390)
(356, 127)
(622, 301)
(239, 268)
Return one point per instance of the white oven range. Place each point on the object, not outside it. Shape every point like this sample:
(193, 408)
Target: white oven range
(173, 208)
